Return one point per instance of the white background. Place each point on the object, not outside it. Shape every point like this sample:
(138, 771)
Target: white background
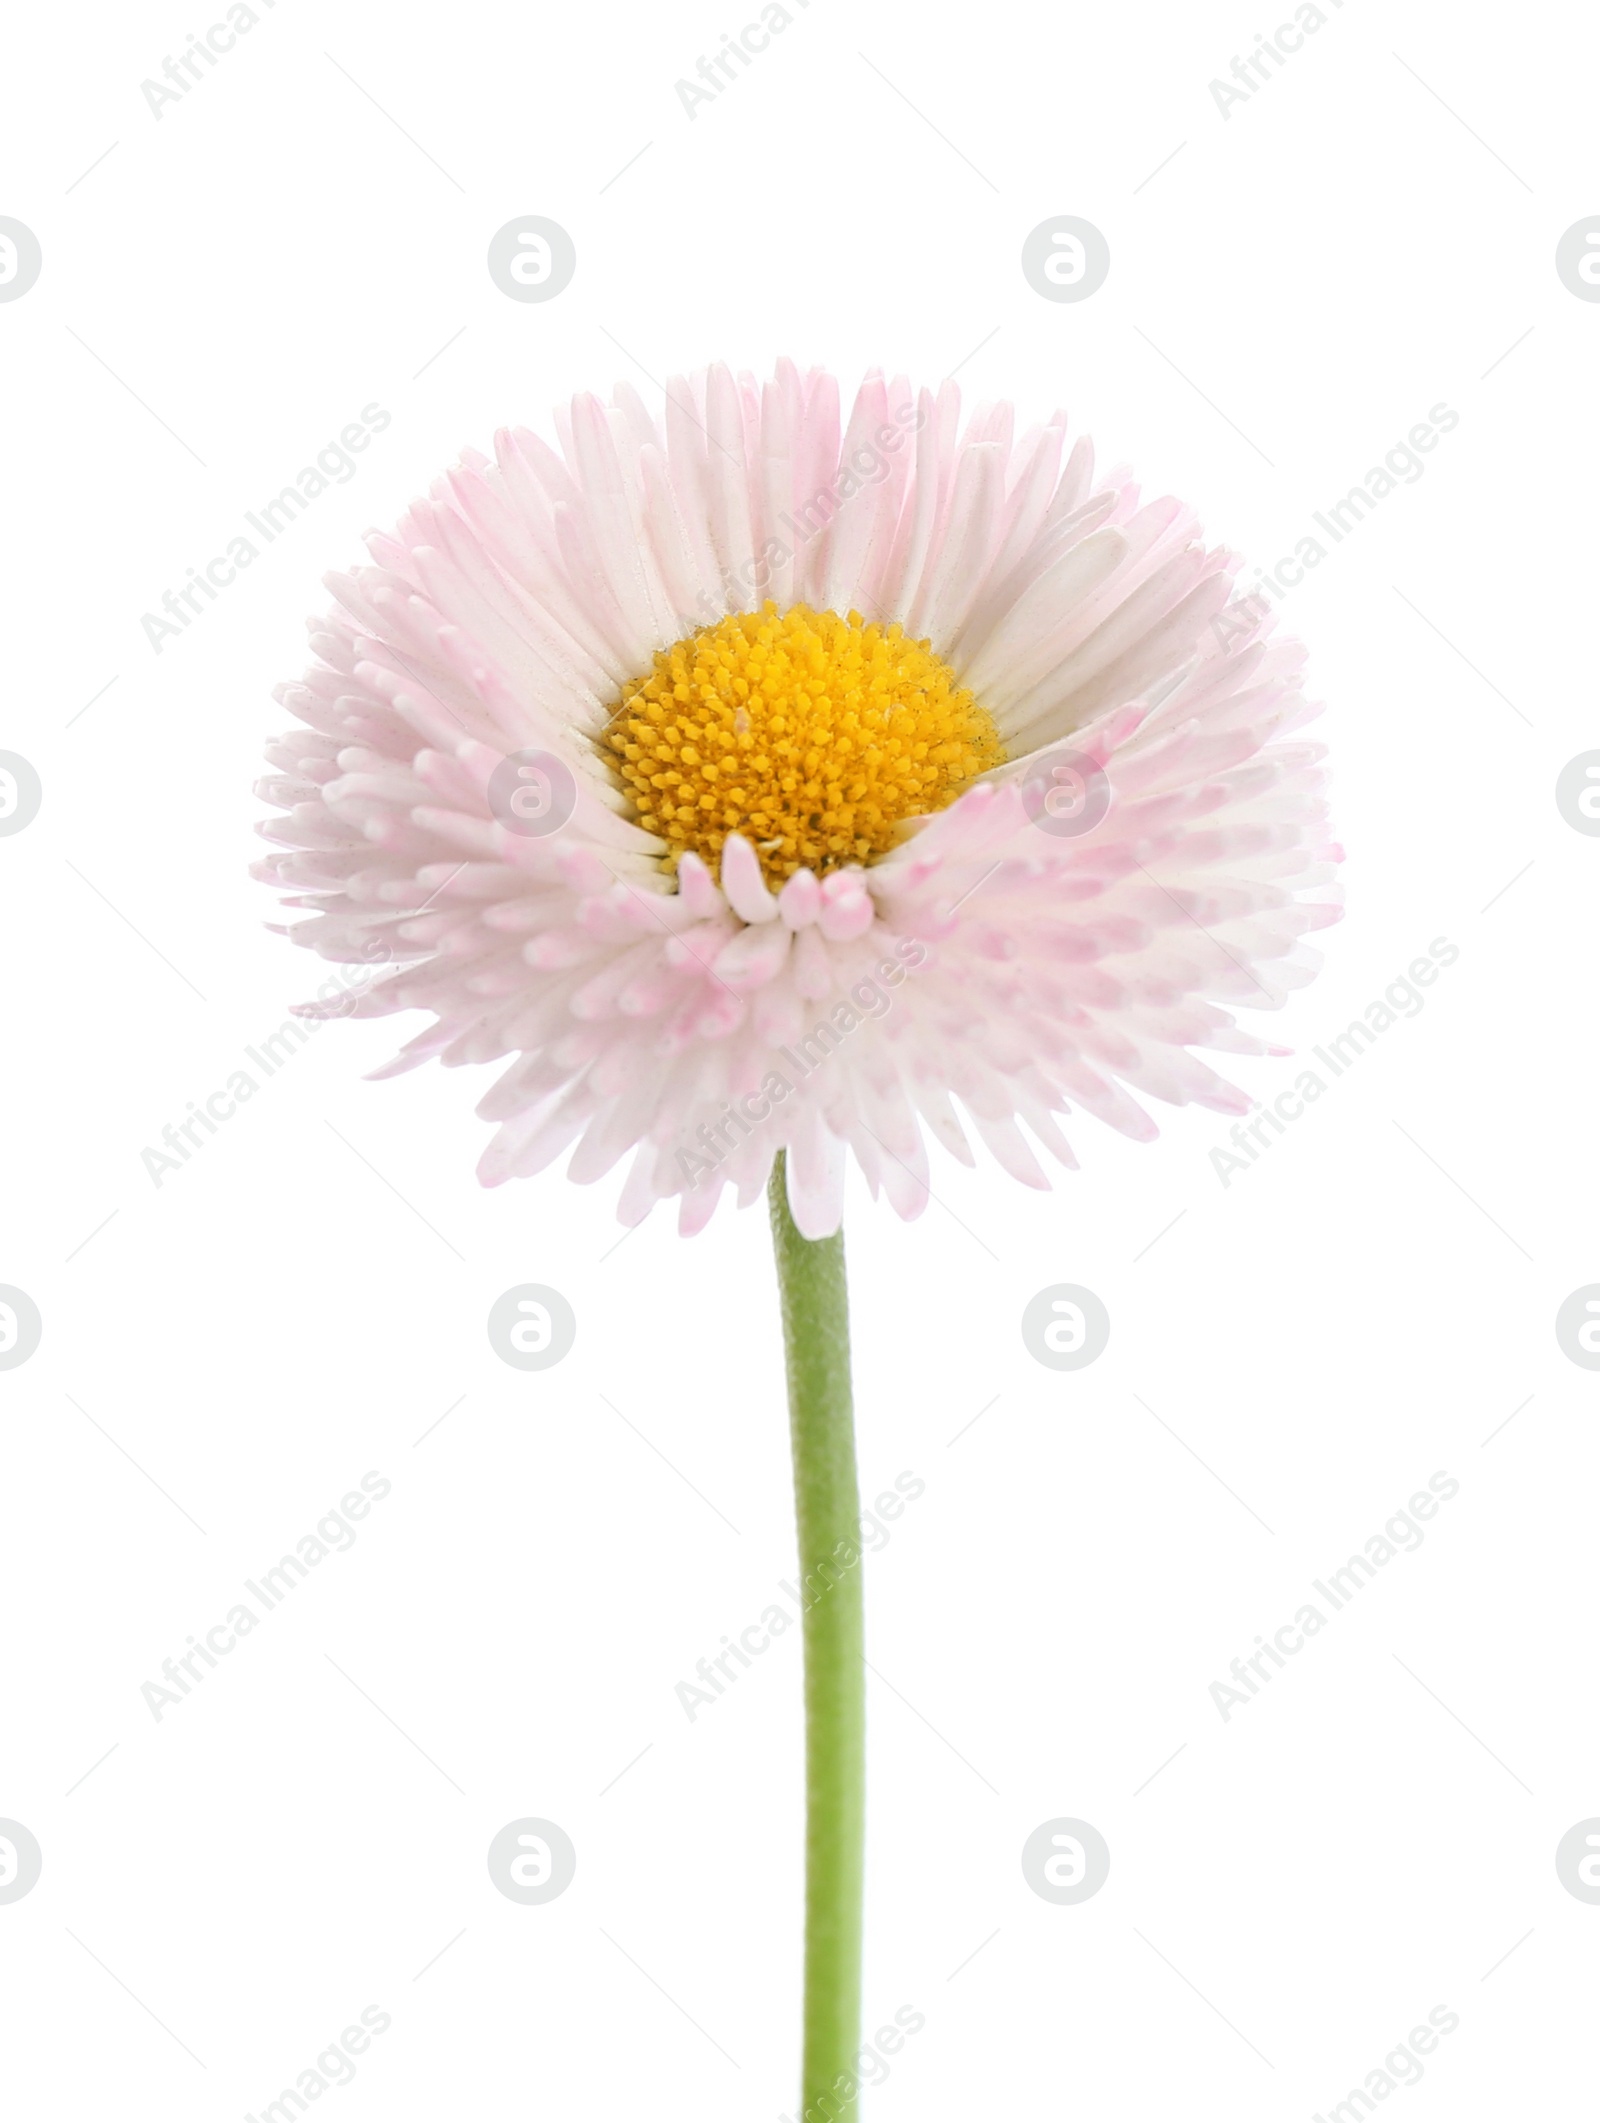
(304, 234)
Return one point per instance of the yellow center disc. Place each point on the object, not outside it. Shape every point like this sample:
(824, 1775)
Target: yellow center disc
(813, 736)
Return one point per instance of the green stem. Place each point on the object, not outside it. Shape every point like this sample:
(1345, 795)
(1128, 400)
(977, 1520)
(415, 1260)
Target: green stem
(816, 1333)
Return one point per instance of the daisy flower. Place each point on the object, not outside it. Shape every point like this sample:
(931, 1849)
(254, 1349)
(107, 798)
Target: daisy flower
(758, 778)
(766, 787)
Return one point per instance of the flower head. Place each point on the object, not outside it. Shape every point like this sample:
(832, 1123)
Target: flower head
(752, 785)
